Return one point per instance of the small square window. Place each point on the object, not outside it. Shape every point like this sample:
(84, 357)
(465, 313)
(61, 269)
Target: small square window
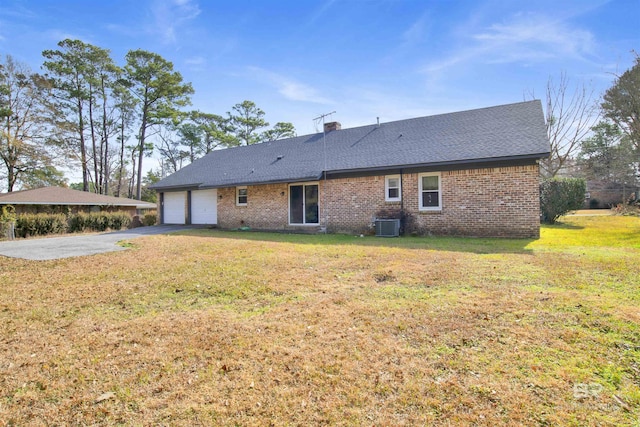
(392, 188)
(241, 196)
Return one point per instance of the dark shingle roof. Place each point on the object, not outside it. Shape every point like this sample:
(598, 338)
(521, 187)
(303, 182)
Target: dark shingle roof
(67, 196)
(506, 132)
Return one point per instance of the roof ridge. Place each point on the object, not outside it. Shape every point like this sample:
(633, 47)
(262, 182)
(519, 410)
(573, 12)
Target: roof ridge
(283, 140)
(505, 131)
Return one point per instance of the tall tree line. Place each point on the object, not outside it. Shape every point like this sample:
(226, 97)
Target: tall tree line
(85, 111)
(612, 152)
(193, 134)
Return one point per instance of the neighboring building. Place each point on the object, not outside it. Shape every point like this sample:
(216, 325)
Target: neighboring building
(471, 173)
(63, 200)
(605, 195)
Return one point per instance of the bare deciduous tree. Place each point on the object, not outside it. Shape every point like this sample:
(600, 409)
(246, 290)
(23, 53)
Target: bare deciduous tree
(27, 154)
(571, 112)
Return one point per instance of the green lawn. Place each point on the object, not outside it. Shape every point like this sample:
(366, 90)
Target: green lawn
(244, 328)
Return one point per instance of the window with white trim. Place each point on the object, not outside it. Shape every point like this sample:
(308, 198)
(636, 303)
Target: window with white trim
(392, 188)
(241, 196)
(430, 191)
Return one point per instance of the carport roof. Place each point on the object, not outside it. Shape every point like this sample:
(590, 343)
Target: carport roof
(67, 196)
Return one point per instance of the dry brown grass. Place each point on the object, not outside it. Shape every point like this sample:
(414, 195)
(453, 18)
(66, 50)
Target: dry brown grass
(254, 329)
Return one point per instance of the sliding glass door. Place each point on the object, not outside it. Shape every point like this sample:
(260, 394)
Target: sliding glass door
(303, 204)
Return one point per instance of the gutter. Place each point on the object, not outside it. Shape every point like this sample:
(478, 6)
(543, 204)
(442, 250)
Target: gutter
(202, 186)
(274, 181)
(59, 203)
(405, 168)
(440, 165)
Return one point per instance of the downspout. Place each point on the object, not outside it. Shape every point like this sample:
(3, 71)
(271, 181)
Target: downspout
(402, 214)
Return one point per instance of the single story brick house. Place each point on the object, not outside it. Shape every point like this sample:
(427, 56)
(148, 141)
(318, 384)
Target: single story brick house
(63, 200)
(472, 173)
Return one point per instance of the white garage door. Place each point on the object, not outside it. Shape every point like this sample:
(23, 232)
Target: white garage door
(174, 203)
(204, 205)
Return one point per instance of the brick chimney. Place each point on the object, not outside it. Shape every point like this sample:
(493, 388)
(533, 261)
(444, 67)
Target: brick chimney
(328, 127)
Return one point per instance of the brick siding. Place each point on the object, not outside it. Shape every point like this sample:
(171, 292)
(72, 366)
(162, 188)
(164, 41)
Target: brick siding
(267, 208)
(501, 202)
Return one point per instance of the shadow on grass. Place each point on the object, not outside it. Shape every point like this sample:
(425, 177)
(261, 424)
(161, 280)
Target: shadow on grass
(564, 226)
(439, 243)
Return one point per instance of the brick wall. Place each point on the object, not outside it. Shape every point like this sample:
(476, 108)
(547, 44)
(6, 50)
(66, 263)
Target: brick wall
(475, 202)
(352, 203)
(267, 208)
(500, 201)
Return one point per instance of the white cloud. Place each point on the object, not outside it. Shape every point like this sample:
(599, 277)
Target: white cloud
(416, 32)
(170, 15)
(321, 11)
(290, 88)
(197, 60)
(124, 30)
(196, 63)
(527, 38)
(16, 11)
(533, 37)
(59, 35)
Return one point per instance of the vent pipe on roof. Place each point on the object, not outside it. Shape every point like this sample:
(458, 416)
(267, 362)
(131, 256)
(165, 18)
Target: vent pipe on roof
(378, 120)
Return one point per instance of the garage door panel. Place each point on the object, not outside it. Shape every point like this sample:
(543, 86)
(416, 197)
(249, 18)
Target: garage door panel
(204, 207)
(174, 207)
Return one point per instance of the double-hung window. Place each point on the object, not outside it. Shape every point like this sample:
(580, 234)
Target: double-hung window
(430, 191)
(392, 188)
(241, 196)
(303, 204)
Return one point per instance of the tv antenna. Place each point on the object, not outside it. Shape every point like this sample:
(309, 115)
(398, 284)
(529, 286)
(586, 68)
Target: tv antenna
(316, 122)
(320, 118)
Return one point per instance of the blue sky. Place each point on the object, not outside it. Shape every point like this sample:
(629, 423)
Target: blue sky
(364, 59)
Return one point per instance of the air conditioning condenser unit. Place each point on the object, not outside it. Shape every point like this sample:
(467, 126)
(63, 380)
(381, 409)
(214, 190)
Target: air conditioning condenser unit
(387, 227)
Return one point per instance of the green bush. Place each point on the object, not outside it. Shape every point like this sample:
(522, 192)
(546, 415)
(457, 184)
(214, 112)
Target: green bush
(40, 224)
(43, 224)
(120, 220)
(559, 196)
(98, 221)
(77, 223)
(150, 219)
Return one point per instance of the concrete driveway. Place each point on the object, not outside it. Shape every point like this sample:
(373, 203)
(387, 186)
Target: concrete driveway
(79, 245)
